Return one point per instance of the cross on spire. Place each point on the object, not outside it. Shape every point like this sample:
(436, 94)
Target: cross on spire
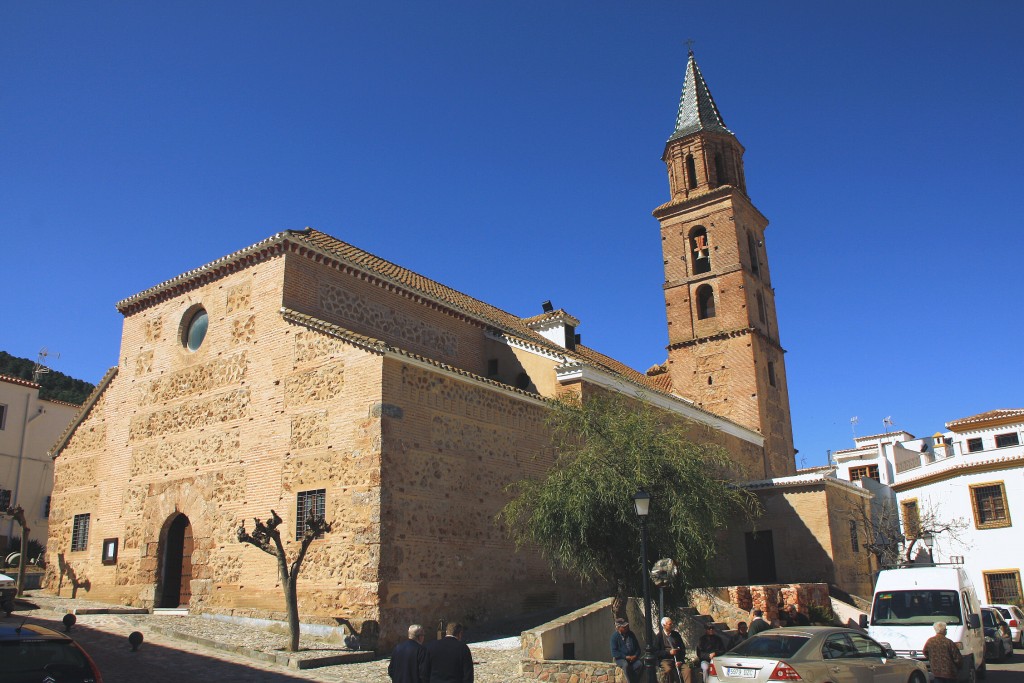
(689, 45)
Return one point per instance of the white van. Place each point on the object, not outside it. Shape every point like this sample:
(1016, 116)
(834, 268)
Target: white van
(909, 600)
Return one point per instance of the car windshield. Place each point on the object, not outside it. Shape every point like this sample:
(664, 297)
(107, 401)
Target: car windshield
(770, 646)
(988, 617)
(28, 661)
(921, 607)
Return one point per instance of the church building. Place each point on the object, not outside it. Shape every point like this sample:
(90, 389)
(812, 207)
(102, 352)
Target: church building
(305, 375)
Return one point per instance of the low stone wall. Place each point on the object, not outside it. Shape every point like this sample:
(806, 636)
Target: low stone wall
(566, 671)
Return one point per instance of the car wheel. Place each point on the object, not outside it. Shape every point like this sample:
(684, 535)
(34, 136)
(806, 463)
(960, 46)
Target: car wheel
(916, 677)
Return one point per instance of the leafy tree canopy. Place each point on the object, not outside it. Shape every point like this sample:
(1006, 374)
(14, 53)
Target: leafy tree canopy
(53, 385)
(581, 514)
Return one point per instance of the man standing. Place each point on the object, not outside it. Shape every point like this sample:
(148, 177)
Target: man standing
(710, 645)
(671, 654)
(758, 624)
(626, 651)
(450, 660)
(409, 659)
(943, 656)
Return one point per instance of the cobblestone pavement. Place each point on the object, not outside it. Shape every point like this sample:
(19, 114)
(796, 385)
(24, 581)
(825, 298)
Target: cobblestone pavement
(166, 658)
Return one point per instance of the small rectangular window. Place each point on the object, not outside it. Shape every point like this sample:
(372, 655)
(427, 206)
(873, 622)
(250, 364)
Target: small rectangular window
(854, 541)
(80, 533)
(5, 499)
(771, 373)
(309, 504)
(864, 472)
(911, 518)
(1003, 587)
(1004, 440)
(975, 445)
(3, 416)
(989, 504)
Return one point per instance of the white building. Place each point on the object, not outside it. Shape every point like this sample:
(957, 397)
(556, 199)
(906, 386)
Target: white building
(974, 472)
(29, 427)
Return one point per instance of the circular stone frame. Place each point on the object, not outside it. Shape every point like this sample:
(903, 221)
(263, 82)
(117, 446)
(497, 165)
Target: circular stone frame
(194, 325)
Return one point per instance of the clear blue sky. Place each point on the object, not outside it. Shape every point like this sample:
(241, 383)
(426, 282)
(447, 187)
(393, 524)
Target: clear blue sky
(512, 151)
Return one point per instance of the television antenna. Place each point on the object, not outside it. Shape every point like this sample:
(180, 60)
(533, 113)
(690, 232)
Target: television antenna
(853, 425)
(887, 422)
(40, 367)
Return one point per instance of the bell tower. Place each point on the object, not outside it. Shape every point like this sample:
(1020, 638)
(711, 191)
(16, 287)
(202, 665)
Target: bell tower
(724, 352)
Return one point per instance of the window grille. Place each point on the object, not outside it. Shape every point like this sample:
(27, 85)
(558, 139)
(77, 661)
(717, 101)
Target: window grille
(80, 533)
(989, 503)
(1003, 587)
(309, 504)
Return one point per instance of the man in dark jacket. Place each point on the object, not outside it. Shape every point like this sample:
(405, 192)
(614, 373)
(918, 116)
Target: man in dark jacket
(759, 623)
(944, 658)
(626, 651)
(449, 659)
(409, 659)
(671, 654)
(710, 645)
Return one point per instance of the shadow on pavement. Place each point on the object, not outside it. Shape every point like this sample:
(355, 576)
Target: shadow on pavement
(154, 663)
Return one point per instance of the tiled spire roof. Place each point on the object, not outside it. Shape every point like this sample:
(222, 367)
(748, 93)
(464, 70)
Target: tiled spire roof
(697, 108)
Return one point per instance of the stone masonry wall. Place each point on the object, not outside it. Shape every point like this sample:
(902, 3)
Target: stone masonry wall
(450, 449)
(261, 411)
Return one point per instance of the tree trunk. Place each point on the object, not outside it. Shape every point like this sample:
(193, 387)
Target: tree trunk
(289, 582)
(24, 560)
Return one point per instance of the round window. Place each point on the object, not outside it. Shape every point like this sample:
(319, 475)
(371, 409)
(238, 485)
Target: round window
(195, 330)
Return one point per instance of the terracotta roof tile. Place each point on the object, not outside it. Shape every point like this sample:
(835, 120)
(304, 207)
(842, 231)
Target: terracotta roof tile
(19, 381)
(998, 414)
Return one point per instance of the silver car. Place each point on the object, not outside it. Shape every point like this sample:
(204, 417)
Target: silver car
(814, 653)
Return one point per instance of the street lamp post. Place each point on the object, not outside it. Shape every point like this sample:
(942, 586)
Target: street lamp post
(642, 503)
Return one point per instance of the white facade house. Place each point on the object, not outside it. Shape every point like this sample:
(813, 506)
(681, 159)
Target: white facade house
(29, 427)
(974, 471)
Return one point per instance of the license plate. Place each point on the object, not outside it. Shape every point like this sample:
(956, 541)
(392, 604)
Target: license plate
(735, 672)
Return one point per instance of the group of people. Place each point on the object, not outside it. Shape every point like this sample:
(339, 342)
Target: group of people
(669, 650)
(446, 660)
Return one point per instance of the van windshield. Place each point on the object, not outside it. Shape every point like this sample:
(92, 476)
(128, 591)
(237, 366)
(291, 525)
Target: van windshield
(920, 607)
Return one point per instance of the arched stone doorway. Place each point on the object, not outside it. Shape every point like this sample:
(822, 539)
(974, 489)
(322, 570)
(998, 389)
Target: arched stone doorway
(176, 564)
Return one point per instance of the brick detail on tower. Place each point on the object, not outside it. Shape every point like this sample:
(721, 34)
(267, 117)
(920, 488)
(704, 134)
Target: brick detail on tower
(724, 351)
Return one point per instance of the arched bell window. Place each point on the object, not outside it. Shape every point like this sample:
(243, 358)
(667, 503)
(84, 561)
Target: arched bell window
(705, 302)
(720, 169)
(691, 172)
(761, 313)
(700, 252)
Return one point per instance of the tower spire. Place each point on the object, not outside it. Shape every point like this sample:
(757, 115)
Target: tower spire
(697, 109)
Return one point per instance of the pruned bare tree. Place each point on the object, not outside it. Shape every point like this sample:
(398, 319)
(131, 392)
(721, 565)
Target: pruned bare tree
(267, 537)
(892, 539)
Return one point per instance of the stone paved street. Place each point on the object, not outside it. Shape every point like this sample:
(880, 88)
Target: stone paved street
(163, 658)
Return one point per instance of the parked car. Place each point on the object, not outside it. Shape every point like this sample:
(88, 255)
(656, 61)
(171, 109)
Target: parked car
(814, 653)
(8, 590)
(998, 642)
(30, 654)
(1014, 616)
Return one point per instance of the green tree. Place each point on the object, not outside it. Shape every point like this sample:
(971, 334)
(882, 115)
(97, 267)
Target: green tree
(581, 513)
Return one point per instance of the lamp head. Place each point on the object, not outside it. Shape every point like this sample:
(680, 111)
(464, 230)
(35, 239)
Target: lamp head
(642, 503)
